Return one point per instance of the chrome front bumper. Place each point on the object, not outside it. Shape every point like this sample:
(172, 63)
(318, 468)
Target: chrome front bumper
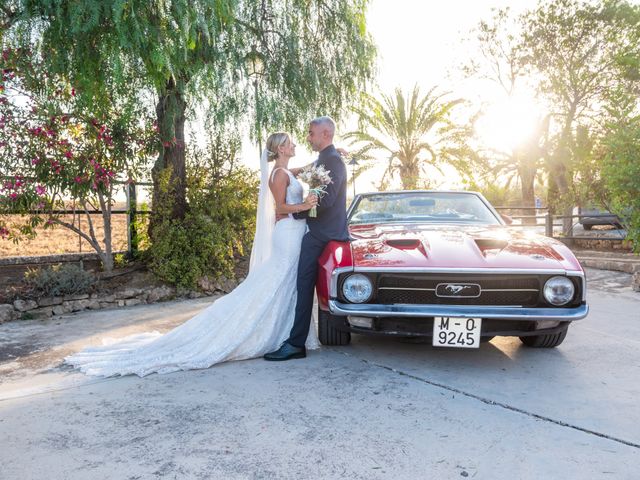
(463, 311)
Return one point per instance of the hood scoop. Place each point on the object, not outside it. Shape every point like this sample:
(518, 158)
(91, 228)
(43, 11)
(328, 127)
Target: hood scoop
(410, 245)
(404, 243)
(491, 243)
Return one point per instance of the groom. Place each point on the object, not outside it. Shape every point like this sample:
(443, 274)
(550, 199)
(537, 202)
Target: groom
(330, 224)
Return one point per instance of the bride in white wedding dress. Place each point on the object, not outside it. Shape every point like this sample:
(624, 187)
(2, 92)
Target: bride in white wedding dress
(253, 319)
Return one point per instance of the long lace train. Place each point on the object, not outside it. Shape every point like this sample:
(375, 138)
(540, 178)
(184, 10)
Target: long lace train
(251, 320)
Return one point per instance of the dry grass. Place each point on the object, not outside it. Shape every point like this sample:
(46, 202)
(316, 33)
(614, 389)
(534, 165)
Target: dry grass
(62, 240)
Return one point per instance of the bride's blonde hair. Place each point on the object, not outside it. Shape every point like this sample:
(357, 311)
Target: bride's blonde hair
(274, 141)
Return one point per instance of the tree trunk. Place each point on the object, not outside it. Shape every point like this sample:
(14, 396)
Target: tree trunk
(409, 175)
(170, 111)
(105, 206)
(527, 179)
(560, 160)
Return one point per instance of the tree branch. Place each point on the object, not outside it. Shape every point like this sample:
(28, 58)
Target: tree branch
(92, 232)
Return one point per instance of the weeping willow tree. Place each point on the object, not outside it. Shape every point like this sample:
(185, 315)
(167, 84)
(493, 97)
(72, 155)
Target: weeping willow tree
(281, 61)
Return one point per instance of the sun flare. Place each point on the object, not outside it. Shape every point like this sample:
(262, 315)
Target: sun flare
(509, 123)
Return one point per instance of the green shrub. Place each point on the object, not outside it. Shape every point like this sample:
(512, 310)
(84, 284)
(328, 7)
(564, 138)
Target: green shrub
(65, 279)
(621, 170)
(219, 224)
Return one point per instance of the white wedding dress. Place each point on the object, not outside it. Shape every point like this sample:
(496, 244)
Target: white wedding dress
(252, 320)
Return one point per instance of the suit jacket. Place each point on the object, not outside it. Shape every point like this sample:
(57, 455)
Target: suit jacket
(331, 222)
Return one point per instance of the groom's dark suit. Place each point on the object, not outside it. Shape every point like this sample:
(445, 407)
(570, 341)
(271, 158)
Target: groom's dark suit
(330, 224)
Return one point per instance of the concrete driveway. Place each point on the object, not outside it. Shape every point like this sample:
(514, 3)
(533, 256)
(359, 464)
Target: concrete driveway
(376, 409)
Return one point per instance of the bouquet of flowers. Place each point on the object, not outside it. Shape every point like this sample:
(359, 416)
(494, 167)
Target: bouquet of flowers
(317, 177)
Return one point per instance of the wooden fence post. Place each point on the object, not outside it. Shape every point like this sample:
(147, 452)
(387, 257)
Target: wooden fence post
(548, 229)
(132, 231)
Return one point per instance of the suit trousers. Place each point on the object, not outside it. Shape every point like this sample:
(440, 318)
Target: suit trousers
(311, 249)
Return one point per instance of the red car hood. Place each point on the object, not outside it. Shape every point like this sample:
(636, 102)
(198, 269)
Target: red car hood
(457, 246)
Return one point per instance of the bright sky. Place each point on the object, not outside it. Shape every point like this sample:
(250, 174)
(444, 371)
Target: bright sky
(422, 42)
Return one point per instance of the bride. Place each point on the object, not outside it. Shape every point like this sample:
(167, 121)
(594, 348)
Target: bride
(253, 319)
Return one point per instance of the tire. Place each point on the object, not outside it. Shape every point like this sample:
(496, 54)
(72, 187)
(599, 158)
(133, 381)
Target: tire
(550, 340)
(327, 333)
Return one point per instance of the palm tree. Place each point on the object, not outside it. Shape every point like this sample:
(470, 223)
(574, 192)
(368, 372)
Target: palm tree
(404, 128)
(524, 163)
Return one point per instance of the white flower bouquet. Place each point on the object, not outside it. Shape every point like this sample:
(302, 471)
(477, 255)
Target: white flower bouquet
(318, 178)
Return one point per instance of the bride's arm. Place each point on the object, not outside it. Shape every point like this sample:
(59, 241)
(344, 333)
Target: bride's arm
(278, 188)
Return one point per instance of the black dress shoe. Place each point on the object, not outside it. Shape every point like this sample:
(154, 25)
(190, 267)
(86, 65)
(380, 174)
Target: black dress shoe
(286, 352)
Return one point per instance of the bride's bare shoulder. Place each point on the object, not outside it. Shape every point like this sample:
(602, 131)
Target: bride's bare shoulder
(280, 175)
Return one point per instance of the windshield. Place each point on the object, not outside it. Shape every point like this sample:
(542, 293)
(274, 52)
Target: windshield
(444, 207)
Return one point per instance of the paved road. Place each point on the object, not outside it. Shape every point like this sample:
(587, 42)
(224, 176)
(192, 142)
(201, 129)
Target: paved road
(376, 409)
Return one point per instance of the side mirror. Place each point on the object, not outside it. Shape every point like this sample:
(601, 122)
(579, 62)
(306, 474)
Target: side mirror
(507, 219)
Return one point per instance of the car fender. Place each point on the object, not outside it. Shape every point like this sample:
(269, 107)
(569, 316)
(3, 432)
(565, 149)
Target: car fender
(335, 255)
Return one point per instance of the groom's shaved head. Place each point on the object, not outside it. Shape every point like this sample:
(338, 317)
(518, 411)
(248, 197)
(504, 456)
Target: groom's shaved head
(325, 122)
(321, 132)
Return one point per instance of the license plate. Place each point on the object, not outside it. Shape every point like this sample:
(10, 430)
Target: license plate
(456, 332)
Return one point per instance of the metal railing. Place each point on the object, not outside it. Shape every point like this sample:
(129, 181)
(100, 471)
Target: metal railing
(547, 219)
(550, 220)
(131, 212)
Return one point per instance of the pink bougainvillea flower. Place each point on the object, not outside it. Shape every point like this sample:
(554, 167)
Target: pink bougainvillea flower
(56, 167)
(68, 154)
(41, 190)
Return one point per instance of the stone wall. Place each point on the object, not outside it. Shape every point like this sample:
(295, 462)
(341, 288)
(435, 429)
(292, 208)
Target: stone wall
(49, 306)
(125, 296)
(599, 244)
(12, 269)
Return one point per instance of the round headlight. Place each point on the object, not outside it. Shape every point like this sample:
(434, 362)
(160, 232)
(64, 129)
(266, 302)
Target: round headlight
(558, 290)
(357, 288)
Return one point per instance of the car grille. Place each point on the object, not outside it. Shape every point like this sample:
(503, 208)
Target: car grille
(421, 289)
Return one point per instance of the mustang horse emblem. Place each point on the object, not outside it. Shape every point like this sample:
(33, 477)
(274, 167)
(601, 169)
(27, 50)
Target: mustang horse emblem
(456, 289)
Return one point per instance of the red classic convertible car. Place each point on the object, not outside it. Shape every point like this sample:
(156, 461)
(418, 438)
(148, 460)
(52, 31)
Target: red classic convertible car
(445, 265)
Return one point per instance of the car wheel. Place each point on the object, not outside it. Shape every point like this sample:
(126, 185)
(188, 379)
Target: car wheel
(586, 226)
(327, 333)
(549, 340)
